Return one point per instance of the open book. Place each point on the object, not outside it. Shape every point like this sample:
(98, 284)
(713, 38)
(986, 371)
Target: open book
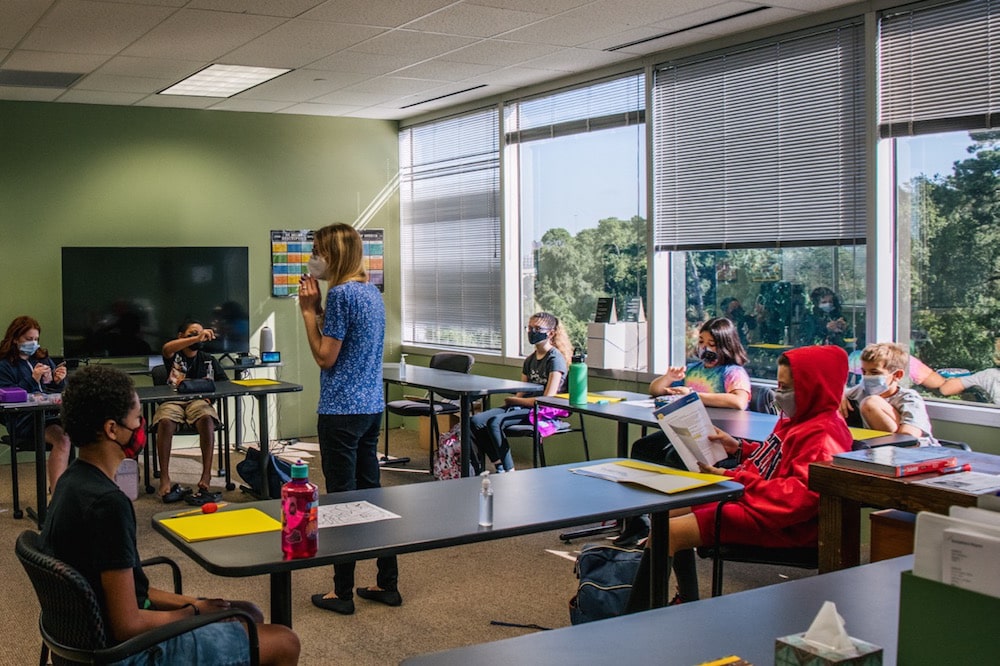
(687, 426)
(655, 477)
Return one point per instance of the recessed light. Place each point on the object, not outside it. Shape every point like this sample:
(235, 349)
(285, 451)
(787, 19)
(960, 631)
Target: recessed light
(223, 80)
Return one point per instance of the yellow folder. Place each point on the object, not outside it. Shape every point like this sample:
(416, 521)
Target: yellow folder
(222, 524)
(255, 382)
(593, 397)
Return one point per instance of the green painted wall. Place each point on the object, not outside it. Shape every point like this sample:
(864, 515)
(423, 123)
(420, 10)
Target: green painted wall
(97, 175)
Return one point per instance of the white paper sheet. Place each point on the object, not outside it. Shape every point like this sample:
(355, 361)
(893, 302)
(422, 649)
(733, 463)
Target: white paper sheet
(352, 513)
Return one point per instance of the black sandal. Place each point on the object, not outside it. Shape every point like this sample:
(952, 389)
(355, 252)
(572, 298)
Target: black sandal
(203, 497)
(175, 494)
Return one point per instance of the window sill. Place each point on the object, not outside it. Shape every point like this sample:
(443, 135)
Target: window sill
(963, 412)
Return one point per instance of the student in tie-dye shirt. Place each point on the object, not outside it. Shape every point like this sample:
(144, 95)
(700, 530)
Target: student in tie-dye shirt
(720, 380)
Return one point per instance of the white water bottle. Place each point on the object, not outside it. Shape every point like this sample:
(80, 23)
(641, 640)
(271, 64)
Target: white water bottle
(486, 501)
(402, 366)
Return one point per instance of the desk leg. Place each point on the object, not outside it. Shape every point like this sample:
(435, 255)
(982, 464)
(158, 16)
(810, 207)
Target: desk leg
(41, 492)
(622, 439)
(839, 533)
(281, 598)
(264, 444)
(466, 413)
(659, 546)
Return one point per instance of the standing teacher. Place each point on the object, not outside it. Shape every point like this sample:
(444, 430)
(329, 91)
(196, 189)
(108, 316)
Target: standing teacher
(346, 343)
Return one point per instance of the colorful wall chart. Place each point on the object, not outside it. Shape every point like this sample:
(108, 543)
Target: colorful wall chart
(291, 249)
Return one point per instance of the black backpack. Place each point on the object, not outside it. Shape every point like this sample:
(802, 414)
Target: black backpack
(606, 575)
(279, 472)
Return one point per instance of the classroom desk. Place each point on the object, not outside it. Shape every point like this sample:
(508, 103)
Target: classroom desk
(38, 410)
(150, 396)
(843, 492)
(744, 624)
(739, 423)
(440, 515)
(467, 387)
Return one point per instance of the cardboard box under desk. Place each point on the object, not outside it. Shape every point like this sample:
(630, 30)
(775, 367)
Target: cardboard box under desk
(445, 423)
(943, 624)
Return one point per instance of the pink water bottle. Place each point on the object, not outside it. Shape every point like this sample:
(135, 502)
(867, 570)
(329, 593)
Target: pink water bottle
(299, 508)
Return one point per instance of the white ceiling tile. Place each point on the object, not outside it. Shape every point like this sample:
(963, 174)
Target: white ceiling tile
(577, 60)
(302, 85)
(755, 20)
(132, 84)
(417, 45)
(623, 14)
(516, 76)
(385, 13)
(355, 98)
(474, 20)
(309, 109)
(17, 17)
(499, 52)
(626, 37)
(363, 63)
(101, 97)
(79, 26)
(150, 67)
(563, 31)
(193, 34)
(47, 61)
(445, 71)
(395, 86)
(699, 16)
(177, 101)
(549, 7)
(377, 113)
(240, 103)
(285, 8)
(806, 5)
(670, 42)
(299, 43)
(19, 94)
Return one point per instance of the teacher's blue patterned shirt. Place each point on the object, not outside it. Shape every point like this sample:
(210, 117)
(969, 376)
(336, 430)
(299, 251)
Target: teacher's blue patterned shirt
(355, 315)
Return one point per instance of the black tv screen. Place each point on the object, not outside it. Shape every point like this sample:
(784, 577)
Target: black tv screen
(128, 301)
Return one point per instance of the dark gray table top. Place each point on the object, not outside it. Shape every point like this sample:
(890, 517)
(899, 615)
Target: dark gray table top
(223, 389)
(744, 624)
(453, 382)
(442, 514)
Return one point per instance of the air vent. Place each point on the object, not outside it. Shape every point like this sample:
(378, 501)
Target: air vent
(690, 27)
(25, 79)
(434, 99)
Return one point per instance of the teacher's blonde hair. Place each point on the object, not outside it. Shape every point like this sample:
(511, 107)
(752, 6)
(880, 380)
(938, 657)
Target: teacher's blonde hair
(340, 244)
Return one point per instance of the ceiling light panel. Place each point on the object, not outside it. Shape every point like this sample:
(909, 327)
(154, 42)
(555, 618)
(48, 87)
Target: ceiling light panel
(223, 80)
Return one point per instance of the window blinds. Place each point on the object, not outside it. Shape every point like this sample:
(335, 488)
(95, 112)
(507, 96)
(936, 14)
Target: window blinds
(762, 147)
(450, 232)
(939, 68)
(615, 103)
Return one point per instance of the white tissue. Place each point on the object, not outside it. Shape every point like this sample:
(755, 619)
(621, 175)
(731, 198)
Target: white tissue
(827, 630)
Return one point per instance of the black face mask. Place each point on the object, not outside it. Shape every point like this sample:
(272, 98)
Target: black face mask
(707, 355)
(534, 337)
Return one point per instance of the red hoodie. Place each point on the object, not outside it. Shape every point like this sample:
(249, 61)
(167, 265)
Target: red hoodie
(780, 510)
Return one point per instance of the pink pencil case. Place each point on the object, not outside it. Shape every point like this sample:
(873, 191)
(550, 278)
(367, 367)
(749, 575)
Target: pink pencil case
(13, 394)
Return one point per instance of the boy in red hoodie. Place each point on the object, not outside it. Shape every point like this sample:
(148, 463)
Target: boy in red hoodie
(777, 508)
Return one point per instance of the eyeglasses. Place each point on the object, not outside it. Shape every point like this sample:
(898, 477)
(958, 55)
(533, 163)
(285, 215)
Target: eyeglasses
(537, 329)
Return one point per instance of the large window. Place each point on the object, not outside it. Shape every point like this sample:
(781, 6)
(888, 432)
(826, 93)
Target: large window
(760, 192)
(939, 107)
(450, 232)
(576, 178)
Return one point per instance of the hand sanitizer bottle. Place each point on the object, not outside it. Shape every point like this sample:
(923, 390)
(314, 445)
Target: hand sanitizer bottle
(486, 501)
(402, 366)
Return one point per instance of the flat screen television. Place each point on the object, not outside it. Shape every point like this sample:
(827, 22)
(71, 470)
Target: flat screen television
(127, 301)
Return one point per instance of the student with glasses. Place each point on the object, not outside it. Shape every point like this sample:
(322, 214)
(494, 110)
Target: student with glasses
(546, 366)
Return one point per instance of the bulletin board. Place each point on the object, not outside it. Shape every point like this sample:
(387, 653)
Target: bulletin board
(291, 249)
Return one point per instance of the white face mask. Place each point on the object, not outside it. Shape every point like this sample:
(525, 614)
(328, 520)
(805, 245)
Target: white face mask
(317, 267)
(784, 399)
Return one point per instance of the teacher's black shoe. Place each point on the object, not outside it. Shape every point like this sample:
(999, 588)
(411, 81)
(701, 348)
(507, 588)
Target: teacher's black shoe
(335, 604)
(387, 597)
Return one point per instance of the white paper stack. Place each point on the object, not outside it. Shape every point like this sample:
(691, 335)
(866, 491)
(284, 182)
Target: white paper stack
(960, 549)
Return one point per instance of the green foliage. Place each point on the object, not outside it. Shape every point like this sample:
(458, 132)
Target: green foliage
(955, 257)
(574, 271)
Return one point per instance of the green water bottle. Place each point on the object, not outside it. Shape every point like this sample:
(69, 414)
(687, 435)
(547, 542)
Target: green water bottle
(578, 379)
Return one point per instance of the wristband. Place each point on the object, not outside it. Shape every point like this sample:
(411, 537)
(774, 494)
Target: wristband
(195, 608)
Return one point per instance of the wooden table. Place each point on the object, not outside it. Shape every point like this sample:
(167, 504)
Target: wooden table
(744, 624)
(844, 492)
(468, 387)
(443, 514)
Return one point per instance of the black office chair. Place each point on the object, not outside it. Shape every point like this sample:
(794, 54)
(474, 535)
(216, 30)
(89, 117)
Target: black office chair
(160, 374)
(433, 405)
(71, 623)
(762, 399)
(538, 442)
(799, 558)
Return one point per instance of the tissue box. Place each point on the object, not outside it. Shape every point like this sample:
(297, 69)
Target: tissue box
(944, 624)
(13, 394)
(794, 651)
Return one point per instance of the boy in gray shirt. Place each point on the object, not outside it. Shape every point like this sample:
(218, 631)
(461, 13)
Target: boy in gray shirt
(882, 403)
